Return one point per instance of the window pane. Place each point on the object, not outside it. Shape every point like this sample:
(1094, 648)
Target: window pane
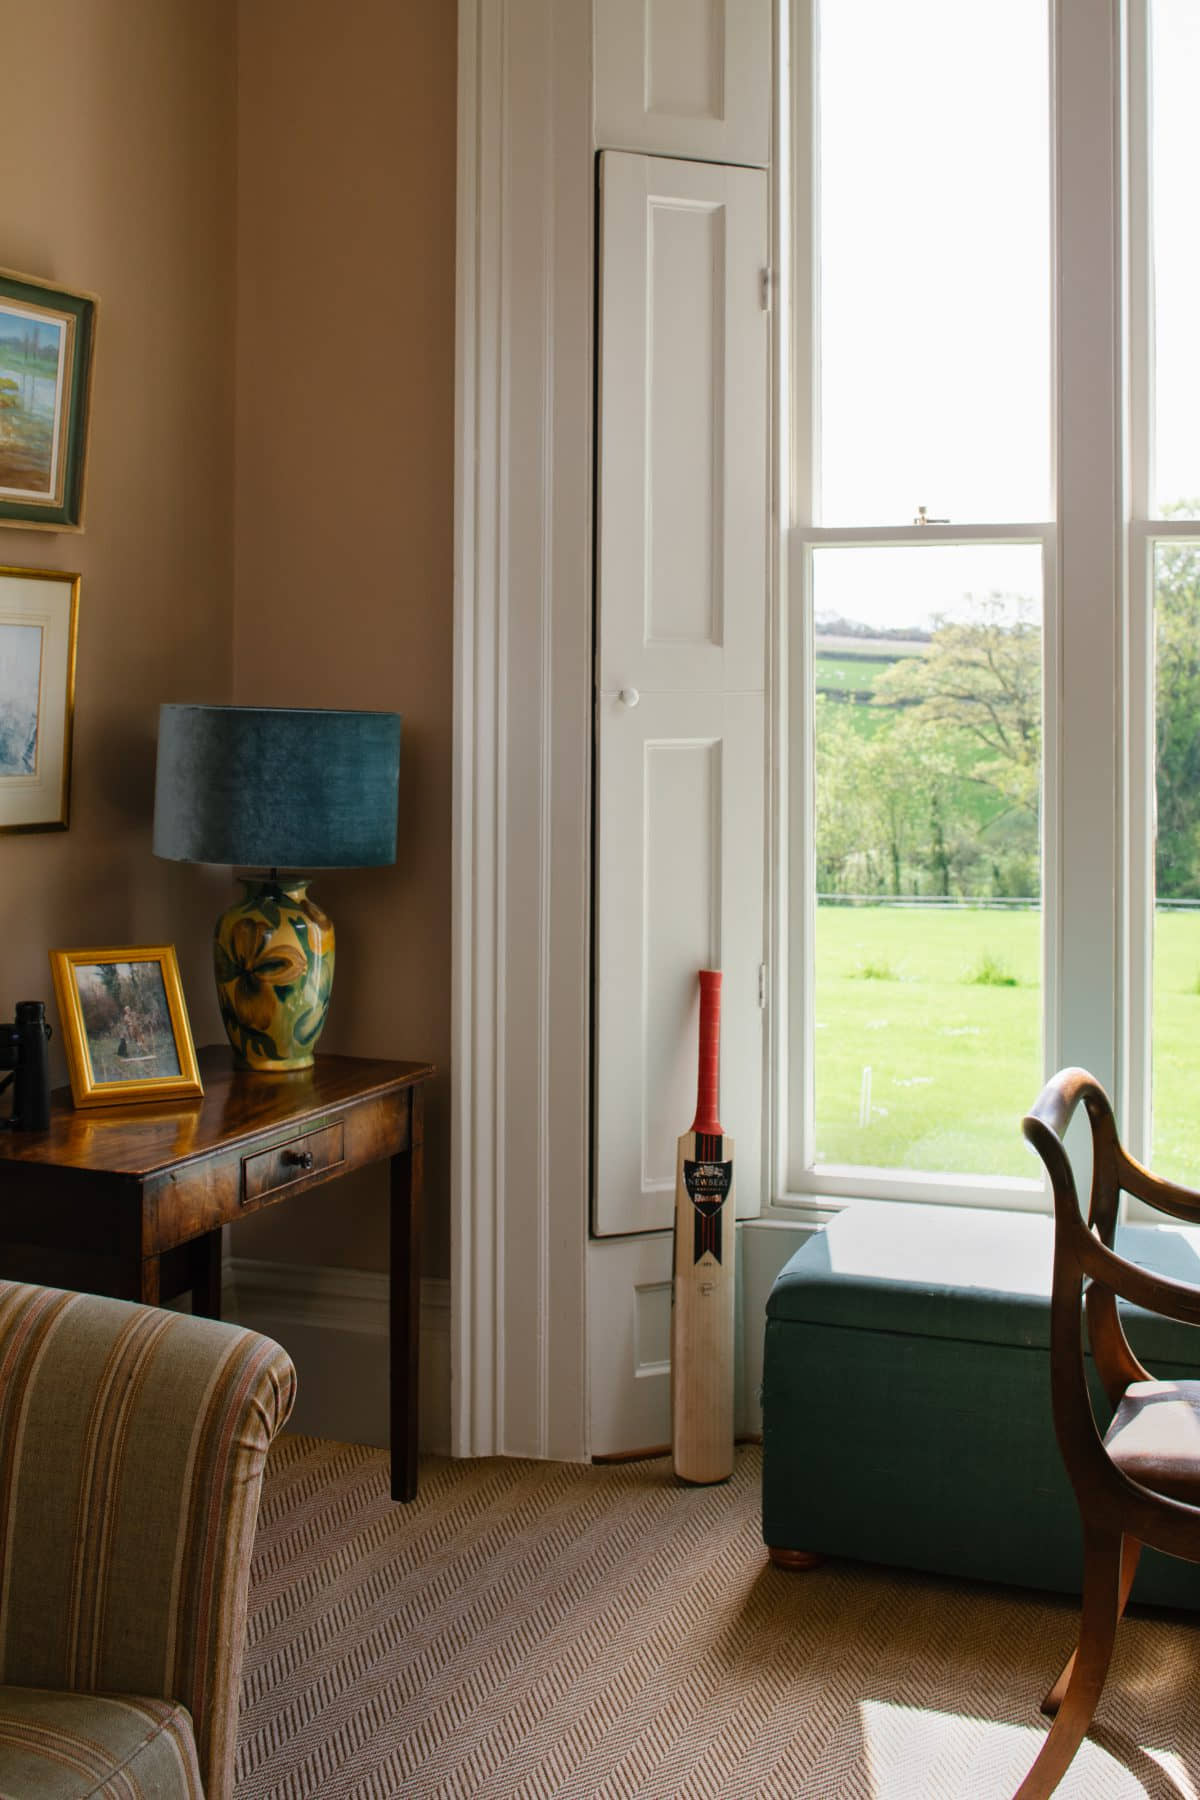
(1176, 1035)
(933, 259)
(1175, 154)
(928, 925)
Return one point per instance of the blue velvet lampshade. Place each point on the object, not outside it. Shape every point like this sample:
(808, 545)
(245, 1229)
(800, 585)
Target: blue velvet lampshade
(276, 788)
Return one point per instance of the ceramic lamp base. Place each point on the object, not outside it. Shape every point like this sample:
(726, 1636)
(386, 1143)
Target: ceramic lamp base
(273, 955)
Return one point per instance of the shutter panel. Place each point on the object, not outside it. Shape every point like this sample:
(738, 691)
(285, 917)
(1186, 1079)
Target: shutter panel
(681, 531)
(679, 856)
(685, 78)
(682, 574)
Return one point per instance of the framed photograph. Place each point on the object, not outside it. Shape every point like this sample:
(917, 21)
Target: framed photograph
(125, 1025)
(47, 344)
(38, 616)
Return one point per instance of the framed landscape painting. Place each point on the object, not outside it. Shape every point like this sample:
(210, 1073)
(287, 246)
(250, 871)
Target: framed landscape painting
(125, 1025)
(39, 611)
(47, 338)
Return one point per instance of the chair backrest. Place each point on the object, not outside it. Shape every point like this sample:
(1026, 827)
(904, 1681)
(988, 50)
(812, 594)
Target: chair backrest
(1084, 1253)
(132, 1445)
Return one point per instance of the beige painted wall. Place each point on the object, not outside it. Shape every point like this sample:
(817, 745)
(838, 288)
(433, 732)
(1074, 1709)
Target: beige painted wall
(116, 168)
(345, 482)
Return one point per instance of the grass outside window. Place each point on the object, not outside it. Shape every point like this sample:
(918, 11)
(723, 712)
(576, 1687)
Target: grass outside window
(928, 1038)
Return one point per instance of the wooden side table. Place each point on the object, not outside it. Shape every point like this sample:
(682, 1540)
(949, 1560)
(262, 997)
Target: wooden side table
(130, 1200)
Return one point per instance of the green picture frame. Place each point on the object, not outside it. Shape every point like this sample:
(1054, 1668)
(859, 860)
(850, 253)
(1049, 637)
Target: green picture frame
(47, 355)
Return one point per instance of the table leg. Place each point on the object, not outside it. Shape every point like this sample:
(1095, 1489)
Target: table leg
(206, 1275)
(407, 1174)
(149, 1283)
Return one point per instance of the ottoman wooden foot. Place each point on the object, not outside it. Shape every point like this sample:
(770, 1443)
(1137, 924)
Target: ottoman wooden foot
(793, 1559)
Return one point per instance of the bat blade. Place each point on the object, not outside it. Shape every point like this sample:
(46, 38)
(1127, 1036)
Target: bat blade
(702, 1312)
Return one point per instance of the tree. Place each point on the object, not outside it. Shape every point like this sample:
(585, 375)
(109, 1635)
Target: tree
(937, 789)
(980, 686)
(894, 806)
(877, 797)
(911, 777)
(1177, 715)
(844, 834)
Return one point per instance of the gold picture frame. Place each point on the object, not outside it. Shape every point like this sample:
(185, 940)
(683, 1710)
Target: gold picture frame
(39, 623)
(125, 1026)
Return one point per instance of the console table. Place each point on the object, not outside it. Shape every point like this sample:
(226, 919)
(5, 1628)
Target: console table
(130, 1200)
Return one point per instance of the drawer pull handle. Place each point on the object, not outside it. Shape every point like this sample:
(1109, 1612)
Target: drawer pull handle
(299, 1159)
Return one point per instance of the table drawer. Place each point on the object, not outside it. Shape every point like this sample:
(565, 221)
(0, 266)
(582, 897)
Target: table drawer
(312, 1153)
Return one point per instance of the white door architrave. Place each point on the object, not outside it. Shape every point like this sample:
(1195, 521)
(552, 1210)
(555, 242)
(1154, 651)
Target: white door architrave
(522, 684)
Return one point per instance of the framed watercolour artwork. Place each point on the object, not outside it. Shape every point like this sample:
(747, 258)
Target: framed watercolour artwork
(125, 1025)
(47, 342)
(39, 611)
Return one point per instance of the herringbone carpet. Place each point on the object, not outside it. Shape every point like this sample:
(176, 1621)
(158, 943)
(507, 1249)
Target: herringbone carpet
(534, 1629)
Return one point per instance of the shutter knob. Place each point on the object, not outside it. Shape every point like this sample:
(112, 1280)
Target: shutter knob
(629, 696)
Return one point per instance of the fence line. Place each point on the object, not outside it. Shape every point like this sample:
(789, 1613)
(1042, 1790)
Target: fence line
(952, 902)
(930, 902)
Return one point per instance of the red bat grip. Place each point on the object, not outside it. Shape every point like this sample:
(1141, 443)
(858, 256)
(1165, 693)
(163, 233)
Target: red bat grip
(708, 1087)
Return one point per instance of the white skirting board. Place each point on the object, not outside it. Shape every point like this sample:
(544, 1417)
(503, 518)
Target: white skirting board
(629, 1294)
(334, 1325)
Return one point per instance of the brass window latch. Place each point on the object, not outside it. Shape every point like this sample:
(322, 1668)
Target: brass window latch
(922, 518)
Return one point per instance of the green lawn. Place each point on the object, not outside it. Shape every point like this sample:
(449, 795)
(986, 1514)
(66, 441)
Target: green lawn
(858, 673)
(1176, 1149)
(954, 1061)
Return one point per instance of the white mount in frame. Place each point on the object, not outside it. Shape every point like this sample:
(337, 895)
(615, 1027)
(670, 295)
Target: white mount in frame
(39, 612)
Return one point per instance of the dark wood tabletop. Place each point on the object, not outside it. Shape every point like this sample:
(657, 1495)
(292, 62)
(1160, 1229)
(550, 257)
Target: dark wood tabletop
(237, 1104)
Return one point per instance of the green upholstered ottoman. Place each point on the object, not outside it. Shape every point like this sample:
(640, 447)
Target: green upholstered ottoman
(906, 1396)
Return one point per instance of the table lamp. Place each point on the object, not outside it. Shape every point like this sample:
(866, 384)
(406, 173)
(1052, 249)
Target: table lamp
(276, 789)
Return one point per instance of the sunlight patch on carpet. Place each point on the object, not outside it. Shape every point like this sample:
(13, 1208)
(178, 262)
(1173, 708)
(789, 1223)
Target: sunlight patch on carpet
(913, 1752)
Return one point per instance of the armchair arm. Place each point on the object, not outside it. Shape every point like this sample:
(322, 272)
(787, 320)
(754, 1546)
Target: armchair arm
(132, 1445)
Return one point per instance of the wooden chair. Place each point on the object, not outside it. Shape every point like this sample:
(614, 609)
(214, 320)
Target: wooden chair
(1139, 1481)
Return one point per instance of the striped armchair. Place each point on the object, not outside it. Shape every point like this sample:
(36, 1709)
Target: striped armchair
(132, 1444)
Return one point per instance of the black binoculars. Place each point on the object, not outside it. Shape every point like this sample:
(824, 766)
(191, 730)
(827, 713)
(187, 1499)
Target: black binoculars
(23, 1050)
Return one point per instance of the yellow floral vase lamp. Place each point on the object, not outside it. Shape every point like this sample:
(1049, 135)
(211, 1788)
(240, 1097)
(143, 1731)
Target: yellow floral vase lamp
(276, 789)
(273, 952)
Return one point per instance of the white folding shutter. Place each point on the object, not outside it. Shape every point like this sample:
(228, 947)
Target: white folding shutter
(684, 78)
(681, 534)
(683, 425)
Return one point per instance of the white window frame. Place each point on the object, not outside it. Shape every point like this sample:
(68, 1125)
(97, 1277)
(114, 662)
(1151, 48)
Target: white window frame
(1096, 747)
(1146, 532)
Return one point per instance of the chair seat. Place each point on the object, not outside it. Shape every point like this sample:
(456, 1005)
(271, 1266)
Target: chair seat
(1154, 1437)
(56, 1745)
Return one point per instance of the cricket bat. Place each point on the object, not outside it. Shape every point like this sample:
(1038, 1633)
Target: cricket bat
(703, 1285)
